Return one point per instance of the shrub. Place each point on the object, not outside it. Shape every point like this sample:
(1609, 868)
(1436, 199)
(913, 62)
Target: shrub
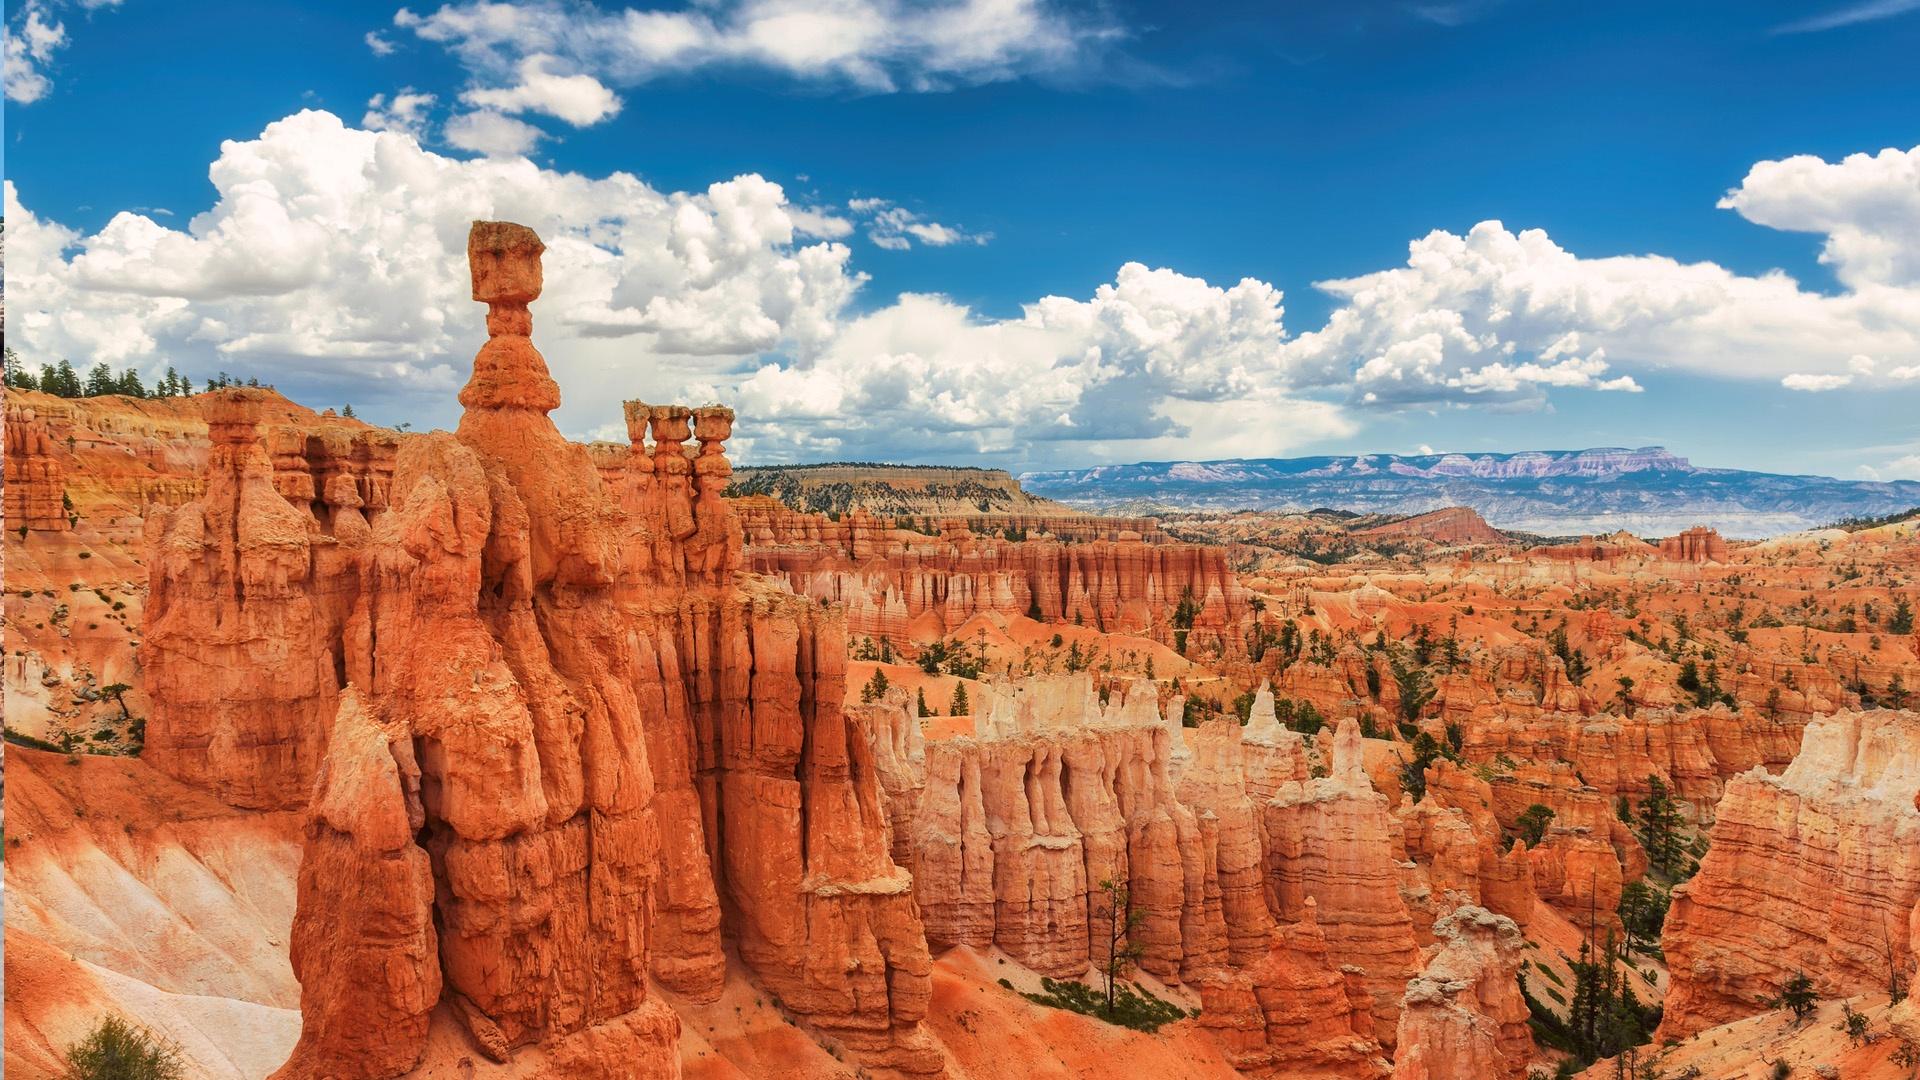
(1132, 1007)
(1797, 996)
(120, 1050)
(21, 738)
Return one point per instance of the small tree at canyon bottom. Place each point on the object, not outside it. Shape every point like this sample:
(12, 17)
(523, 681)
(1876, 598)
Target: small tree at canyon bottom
(1643, 913)
(1120, 919)
(1797, 997)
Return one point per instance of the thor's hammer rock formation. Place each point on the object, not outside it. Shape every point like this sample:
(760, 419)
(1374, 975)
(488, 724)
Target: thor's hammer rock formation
(552, 741)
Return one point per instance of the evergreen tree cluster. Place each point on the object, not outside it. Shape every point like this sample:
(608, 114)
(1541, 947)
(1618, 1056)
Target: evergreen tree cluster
(61, 380)
(1605, 1017)
(1661, 831)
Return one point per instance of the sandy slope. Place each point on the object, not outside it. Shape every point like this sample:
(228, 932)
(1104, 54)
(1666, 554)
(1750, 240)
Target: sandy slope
(130, 893)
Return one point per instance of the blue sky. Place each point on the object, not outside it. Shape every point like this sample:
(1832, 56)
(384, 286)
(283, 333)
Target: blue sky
(1285, 143)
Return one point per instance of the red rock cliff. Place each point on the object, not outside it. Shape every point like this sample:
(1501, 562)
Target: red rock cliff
(35, 474)
(906, 586)
(1816, 870)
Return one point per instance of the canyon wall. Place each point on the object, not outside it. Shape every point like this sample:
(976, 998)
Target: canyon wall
(1816, 870)
(911, 587)
(1281, 897)
(36, 475)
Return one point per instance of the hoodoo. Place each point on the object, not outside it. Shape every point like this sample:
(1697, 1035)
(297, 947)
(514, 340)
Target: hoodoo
(567, 744)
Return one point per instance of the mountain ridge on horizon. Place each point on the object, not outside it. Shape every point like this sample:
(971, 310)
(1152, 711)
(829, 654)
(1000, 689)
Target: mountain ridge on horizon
(1647, 490)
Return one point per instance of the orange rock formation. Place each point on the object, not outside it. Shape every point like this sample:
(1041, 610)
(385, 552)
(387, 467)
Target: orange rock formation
(1698, 544)
(1816, 870)
(1293, 1013)
(36, 477)
(909, 587)
(1463, 1017)
(523, 672)
(1331, 840)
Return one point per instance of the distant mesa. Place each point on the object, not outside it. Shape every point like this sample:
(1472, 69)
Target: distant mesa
(1648, 491)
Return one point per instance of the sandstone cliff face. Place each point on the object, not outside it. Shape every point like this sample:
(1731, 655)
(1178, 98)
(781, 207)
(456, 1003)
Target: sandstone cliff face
(91, 472)
(1451, 525)
(1694, 752)
(1815, 870)
(36, 476)
(1293, 1013)
(906, 586)
(894, 490)
(1455, 837)
(1463, 1017)
(768, 521)
(571, 747)
(1019, 825)
(365, 957)
(1698, 544)
(236, 590)
(1015, 827)
(1332, 840)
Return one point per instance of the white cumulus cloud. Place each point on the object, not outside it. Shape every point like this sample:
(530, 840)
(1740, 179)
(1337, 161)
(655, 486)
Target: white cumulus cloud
(1867, 206)
(494, 134)
(1153, 362)
(1814, 384)
(332, 263)
(578, 99)
(896, 228)
(562, 58)
(1499, 317)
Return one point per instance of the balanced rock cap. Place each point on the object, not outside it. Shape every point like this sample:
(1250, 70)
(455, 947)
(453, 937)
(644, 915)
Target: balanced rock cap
(505, 259)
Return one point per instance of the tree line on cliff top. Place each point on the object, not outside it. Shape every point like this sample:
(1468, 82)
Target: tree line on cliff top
(62, 380)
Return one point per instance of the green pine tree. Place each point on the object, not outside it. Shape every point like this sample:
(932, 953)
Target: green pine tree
(100, 381)
(1660, 828)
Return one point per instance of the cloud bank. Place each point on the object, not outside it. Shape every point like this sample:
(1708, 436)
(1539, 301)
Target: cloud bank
(332, 263)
